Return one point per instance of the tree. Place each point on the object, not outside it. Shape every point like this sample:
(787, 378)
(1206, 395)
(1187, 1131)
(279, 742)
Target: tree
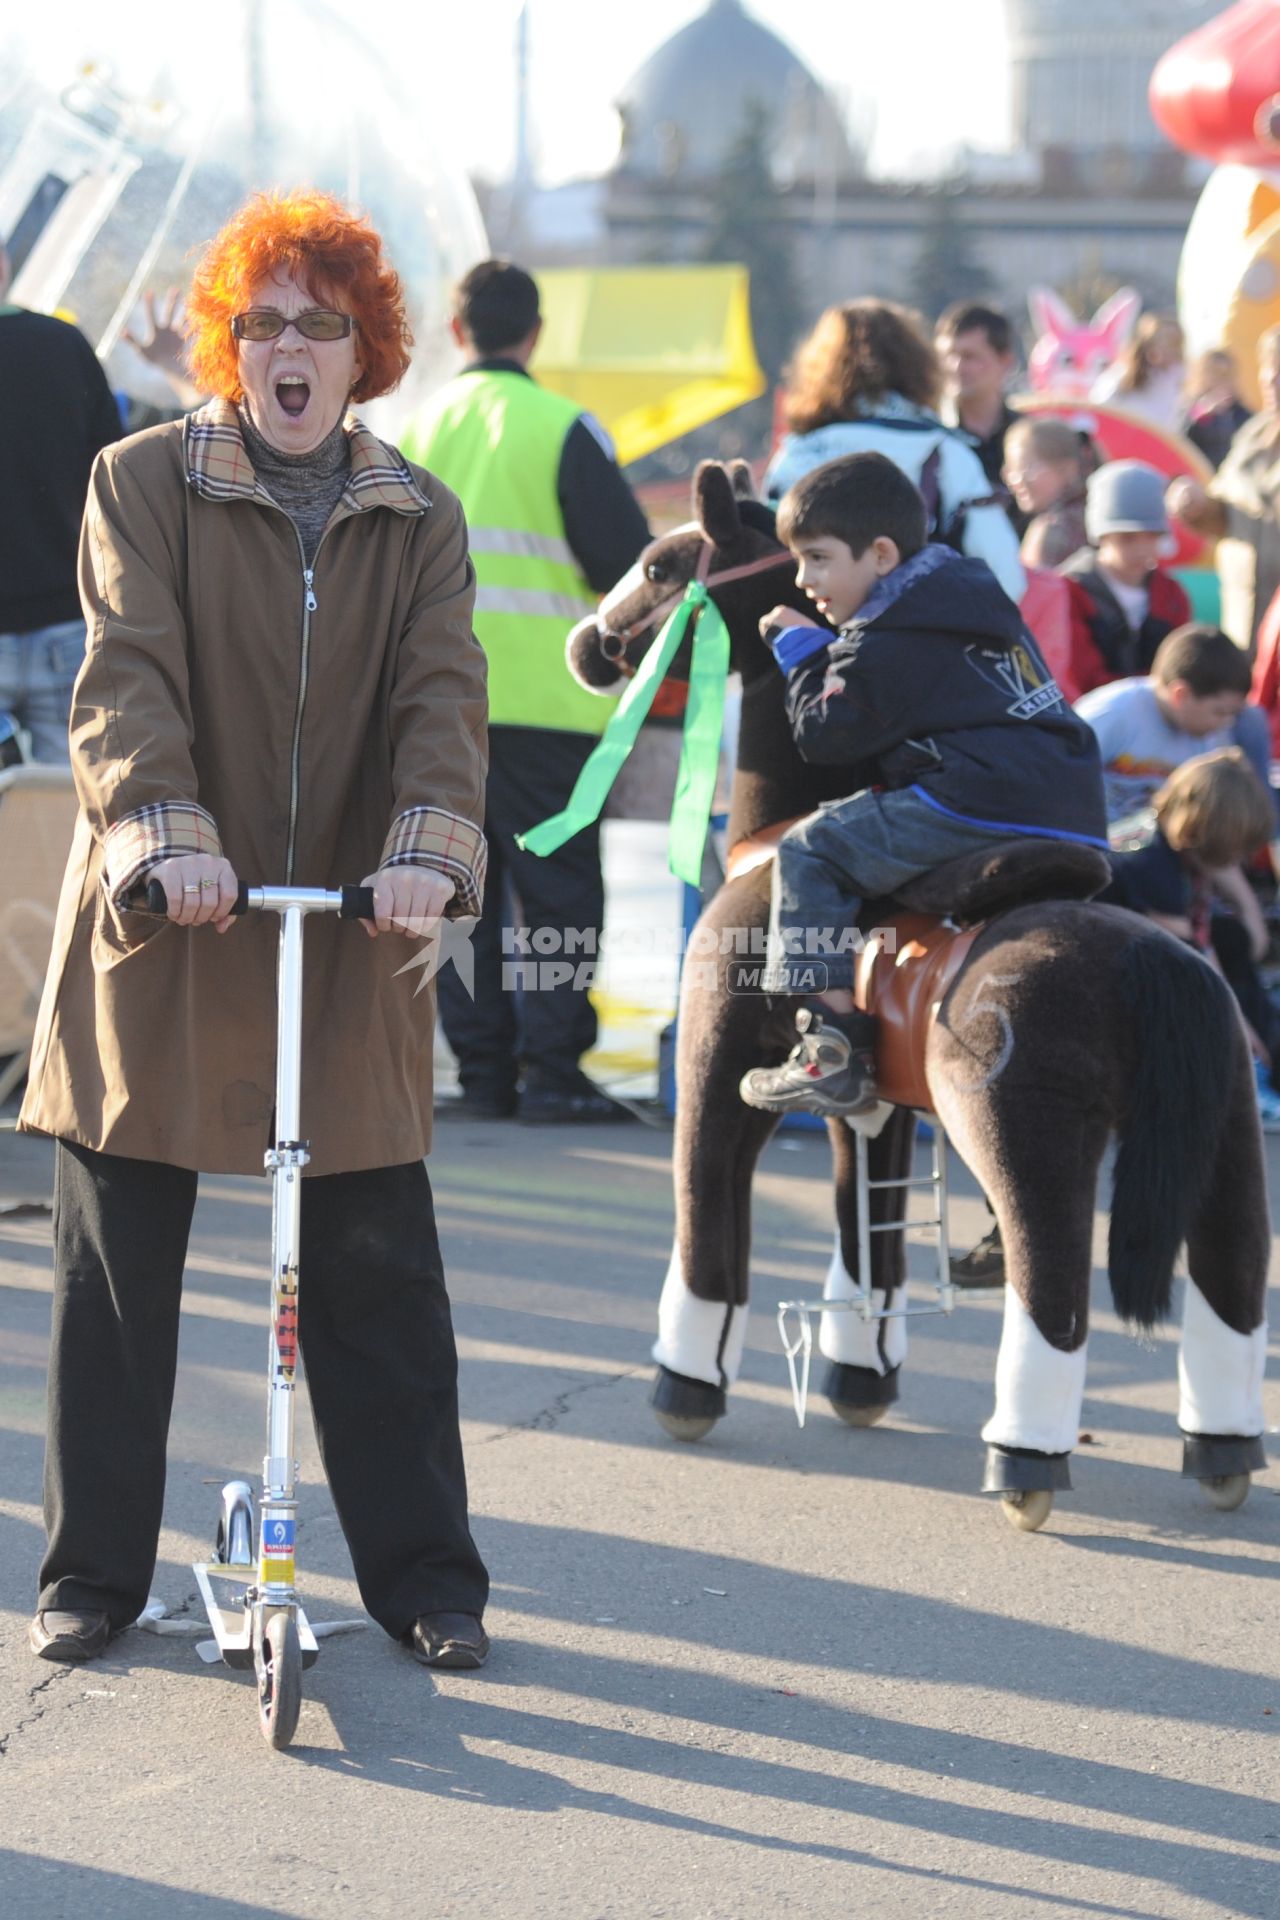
(947, 267)
(749, 225)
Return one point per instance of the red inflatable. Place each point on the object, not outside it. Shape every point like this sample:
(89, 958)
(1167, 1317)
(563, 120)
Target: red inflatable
(1217, 93)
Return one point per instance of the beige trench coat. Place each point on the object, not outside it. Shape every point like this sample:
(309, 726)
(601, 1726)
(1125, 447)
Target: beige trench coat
(1247, 488)
(311, 731)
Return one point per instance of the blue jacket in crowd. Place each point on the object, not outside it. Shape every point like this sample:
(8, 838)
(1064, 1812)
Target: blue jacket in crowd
(937, 685)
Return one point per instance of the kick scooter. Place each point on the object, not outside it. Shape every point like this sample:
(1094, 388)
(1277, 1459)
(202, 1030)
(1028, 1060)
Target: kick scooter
(263, 1625)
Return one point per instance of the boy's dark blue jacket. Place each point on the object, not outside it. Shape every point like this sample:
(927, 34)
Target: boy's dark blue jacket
(937, 685)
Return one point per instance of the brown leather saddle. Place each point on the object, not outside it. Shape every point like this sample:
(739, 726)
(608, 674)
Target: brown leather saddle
(902, 980)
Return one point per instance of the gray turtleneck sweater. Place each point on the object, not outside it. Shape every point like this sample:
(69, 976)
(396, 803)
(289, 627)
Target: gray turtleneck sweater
(307, 485)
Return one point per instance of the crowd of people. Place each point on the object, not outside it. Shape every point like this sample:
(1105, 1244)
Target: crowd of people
(262, 637)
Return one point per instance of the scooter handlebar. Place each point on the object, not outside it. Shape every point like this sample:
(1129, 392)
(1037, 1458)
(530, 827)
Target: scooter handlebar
(357, 902)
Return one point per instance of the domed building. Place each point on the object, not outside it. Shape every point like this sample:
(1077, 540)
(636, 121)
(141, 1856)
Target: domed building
(1090, 195)
(694, 98)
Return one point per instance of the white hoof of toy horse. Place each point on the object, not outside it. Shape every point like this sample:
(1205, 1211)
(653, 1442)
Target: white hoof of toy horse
(1028, 1510)
(858, 1416)
(1227, 1491)
(685, 1426)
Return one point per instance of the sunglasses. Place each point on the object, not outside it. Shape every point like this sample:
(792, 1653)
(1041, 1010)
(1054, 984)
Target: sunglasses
(261, 323)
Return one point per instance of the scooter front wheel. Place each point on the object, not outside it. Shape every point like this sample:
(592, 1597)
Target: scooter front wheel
(280, 1681)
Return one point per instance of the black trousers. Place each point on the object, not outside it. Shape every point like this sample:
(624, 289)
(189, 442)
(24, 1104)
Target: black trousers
(377, 1340)
(1231, 944)
(550, 1027)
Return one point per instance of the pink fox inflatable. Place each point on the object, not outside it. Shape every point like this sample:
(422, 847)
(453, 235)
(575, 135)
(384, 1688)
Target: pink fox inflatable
(1068, 356)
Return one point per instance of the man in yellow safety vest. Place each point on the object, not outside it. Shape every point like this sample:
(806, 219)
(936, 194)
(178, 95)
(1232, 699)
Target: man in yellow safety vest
(552, 525)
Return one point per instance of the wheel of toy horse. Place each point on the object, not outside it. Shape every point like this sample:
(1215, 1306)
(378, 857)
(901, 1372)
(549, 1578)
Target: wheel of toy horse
(1027, 1508)
(686, 1409)
(859, 1416)
(1227, 1491)
(681, 1426)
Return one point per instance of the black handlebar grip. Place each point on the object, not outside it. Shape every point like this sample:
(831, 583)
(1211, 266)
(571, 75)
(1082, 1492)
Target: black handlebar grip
(357, 903)
(157, 900)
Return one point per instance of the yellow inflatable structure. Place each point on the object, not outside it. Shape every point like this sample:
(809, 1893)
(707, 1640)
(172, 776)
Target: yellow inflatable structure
(652, 352)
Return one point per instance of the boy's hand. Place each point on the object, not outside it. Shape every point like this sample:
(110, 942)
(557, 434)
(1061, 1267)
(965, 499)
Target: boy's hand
(778, 619)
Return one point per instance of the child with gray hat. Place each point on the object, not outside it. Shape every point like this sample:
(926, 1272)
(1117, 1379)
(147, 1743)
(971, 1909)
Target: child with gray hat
(1122, 603)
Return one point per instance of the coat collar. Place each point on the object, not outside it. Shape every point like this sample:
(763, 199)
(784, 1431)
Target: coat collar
(219, 467)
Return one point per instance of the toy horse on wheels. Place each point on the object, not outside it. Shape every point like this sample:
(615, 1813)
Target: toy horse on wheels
(1032, 1024)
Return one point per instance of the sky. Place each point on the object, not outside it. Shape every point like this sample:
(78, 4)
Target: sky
(457, 60)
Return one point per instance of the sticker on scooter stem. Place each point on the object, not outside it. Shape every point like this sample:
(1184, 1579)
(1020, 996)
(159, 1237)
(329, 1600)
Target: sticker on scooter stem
(277, 1552)
(287, 1323)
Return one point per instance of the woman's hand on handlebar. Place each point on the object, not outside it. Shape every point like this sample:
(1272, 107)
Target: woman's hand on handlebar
(407, 900)
(200, 889)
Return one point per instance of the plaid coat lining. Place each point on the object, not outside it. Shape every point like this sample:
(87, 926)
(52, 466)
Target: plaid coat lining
(163, 831)
(219, 468)
(434, 837)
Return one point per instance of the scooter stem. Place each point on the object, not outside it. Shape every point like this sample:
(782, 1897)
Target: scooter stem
(284, 1161)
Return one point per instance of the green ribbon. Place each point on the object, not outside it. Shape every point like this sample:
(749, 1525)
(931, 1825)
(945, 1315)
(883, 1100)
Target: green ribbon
(699, 747)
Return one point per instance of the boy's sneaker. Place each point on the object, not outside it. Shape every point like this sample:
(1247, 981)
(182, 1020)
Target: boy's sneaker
(1268, 1100)
(832, 1068)
(983, 1265)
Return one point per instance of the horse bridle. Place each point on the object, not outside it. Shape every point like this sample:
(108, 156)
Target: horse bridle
(702, 576)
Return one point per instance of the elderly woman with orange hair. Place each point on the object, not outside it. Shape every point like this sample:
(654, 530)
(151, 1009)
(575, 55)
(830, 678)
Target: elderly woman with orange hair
(281, 686)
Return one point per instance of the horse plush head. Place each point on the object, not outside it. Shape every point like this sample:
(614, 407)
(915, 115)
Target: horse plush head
(730, 545)
(1069, 355)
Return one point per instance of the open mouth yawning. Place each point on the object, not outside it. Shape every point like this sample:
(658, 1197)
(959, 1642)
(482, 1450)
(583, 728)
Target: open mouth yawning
(292, 394)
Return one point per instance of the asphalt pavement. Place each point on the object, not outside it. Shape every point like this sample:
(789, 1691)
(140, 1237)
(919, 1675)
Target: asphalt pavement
(780, 1672)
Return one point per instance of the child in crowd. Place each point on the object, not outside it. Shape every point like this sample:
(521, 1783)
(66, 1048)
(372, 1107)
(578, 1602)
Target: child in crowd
(1148, 377)
(1192, 702)
(1215, 412)
(1122, 604)
(1045, 464)
(935, 692)
(1170, 859)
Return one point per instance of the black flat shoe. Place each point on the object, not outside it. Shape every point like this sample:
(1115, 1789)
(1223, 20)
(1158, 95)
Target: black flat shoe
(71, 1635)
(477, 1106)
(453, 1640)
(552, 1109)
(546, 1101)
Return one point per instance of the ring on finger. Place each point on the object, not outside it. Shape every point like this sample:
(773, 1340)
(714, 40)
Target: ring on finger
(193, 889)
(207, 883)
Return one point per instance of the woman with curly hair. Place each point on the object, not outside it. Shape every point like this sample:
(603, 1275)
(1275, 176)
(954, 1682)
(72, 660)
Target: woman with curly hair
(867, 380)
(281, 686)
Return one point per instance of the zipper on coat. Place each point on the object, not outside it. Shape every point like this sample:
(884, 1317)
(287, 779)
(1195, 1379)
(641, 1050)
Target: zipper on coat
(308, 608)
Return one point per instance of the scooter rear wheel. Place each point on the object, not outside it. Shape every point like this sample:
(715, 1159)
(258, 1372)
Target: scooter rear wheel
(280, 1681)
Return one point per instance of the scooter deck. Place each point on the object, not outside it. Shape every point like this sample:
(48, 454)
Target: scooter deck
(233, 1625)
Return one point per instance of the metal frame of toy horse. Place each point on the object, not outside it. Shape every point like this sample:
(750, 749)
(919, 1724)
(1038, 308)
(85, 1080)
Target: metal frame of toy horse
(799, 1351)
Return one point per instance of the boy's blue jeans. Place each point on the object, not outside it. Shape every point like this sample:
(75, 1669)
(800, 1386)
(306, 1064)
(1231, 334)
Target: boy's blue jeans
(849, 851)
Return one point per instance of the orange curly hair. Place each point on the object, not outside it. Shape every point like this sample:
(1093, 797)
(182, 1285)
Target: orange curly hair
(337, 256)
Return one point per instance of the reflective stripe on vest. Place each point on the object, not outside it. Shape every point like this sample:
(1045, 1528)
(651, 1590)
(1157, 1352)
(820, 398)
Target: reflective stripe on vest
(538, 546)
(526, 600)
(496, 438)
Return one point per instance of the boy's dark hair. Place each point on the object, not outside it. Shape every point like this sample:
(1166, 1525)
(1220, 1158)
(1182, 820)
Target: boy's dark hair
(1205, 658)
(497, 305)
(965, 317)
(855, 499)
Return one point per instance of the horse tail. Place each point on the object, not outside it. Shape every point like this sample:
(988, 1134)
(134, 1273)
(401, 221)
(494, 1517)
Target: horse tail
(1186, 1037)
